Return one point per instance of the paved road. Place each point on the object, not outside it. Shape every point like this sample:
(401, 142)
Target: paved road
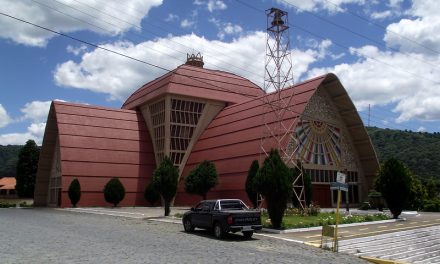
(54, 236)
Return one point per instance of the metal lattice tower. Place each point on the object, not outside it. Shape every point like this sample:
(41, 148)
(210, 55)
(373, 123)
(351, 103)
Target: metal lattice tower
(279, 116)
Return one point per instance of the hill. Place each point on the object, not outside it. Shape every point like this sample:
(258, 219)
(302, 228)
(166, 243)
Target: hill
(8, 160)
(417, 150)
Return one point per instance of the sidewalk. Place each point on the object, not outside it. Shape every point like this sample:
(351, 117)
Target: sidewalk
(150, 213)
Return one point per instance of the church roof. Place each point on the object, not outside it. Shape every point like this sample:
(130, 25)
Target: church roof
(196, 82)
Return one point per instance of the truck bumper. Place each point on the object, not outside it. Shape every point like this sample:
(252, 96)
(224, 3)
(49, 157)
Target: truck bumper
(245, 228)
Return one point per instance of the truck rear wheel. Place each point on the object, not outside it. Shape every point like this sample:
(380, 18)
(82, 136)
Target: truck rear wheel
(218, 231)
(248, 234)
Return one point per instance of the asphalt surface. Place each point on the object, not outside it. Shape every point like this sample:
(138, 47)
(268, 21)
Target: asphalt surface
(57, 236)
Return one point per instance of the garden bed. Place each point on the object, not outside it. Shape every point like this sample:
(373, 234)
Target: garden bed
(292, 220)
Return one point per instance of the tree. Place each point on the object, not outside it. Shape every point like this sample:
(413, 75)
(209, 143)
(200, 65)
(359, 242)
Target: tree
(250, 186)
(165, 180)
(274, 182)
(27, 167)
(417, 195)
(394, 182)
(431, 188)
(151, 194)
(201, 179)
(114, 191)
(74, 192)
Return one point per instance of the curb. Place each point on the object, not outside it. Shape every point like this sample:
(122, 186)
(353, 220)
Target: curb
(315, 228)
(382, 261)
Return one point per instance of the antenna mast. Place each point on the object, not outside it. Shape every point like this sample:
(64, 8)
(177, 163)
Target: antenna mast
(280, 116)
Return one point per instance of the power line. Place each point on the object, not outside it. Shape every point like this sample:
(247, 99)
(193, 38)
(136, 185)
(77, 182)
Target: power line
(217, 58)
(348, 48)
(359, 34)
(145, 62)
(385, 29)
(103, 29)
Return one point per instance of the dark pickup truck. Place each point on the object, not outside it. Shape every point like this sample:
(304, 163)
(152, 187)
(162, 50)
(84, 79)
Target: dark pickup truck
(223, 216)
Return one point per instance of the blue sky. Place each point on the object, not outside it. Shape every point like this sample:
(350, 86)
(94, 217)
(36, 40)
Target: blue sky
(386, 53)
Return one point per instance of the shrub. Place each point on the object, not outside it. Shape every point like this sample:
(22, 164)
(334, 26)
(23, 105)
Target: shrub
(250, 186)
(6, 204)
(74, 192)
(151, 194)
(394, 182)
(201, 179)
(165, 180)
(274, 182)
(432, 205)
(114, 191)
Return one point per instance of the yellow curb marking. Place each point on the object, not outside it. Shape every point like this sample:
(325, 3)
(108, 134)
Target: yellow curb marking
(381, 261)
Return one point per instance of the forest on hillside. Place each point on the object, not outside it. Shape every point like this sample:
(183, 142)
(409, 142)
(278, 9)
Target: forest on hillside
(8, 160)
(419, 151)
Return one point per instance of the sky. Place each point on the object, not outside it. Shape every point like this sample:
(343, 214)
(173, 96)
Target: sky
(386, 53)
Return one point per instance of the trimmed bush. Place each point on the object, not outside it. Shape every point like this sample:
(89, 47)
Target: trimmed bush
(114, 191)
(274, 182)
(394, 182)
(74, 192)
(151, 194)
(250, 186)
(165, 180)
(201, 179)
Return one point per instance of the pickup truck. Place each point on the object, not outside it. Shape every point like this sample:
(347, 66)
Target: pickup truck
(223, 216)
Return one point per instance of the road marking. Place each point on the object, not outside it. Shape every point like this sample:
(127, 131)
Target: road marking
(363, 229)
(282, 238)
(395, 229)
(425, 221)
(399, 225)
(382, 226)
(313, 236)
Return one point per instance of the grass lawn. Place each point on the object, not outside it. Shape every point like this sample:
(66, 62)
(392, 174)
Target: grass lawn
(299, 221)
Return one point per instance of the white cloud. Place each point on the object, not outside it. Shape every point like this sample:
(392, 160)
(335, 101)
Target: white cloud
(4, 117)
(34, 131)
(381, 78)
(317, 5)
(36, 111)
(381, 15)
(423, 28)
(421, 129)
(212, 5)
(225, 28)
(171, 17)
(76, 50)
(244, 56)
(186, 23)
(33, 12)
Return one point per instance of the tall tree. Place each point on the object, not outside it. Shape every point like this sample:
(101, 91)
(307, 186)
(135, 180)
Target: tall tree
(274, 182)
(165, 180)
(250, 186)
(201, 179)
(27, 167)
(394, 182)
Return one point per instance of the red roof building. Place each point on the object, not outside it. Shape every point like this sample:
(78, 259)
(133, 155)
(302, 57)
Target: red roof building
(191, 114)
